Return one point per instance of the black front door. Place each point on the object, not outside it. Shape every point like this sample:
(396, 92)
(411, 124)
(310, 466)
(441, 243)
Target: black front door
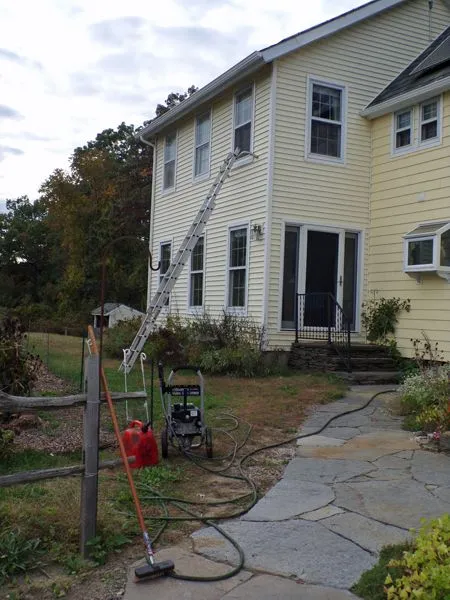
(322, 256)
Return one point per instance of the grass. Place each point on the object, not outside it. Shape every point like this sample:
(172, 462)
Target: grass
(49, 511)
(371, 584)
(61, 353)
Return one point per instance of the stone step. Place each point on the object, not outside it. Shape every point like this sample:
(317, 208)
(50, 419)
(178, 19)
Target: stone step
(369, 349)
(364, 363)
(370, 377)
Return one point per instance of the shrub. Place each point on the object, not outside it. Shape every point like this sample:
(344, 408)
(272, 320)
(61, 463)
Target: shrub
(425, 568)
(17, 368)
(119, 337)
(380, 317)
(225, 345)
(371, 583)
(424, 396)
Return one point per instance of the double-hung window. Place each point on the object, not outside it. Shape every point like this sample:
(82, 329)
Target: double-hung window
(418, 126)
(243, 119)
(165, 252)
(170, 155)
(327, 120)
(202, 144)
(429, 120)
(196, 276)
(403, 128)
(237, 268)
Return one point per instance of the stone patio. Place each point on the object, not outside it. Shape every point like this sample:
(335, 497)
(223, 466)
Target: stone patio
(360, 484)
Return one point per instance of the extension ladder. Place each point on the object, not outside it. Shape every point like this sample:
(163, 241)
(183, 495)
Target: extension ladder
(170, 277)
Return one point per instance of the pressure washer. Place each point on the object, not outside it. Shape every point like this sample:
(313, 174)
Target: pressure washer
(185, 422)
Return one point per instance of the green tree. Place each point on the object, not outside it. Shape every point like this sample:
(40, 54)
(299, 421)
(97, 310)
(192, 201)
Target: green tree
(173, 99)
(30, 264)
(104, 198)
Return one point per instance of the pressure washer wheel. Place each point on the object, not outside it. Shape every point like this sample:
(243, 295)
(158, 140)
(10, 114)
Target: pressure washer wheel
(165, 442)
(208, 442)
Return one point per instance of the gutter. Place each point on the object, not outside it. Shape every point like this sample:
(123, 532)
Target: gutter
(242, 69)
(404, 100)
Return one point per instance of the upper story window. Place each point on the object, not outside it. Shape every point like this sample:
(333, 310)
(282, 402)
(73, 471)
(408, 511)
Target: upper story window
(403, 128)
(196, 276)
(429, 120)
(243, 119)
(237, 268)
(417, 127)
(165, 252)
(326, 135)
(202, 144)
(170, 155)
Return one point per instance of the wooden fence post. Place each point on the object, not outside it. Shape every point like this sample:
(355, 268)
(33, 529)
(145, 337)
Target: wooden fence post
(89, 483)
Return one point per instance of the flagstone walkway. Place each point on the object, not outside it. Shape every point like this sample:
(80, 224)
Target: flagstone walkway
(361, 484)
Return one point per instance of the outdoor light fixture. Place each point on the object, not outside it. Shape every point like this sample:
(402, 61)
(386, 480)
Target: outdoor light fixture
(256, 232)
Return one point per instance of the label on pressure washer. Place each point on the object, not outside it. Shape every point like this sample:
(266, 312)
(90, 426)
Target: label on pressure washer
(178, 390)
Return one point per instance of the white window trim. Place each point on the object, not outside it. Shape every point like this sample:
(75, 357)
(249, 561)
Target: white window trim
(202, 176)
(241, 311)
(416, 144)
(172, 189)
(412, 128)
(319, 158)
(245, 160)
(165, 308)
(438, 119)
(423, 267)
(396, 130)
(302, 225)
(201, 308)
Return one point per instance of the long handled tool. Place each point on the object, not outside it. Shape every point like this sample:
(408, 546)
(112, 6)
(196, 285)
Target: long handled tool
(152, 569)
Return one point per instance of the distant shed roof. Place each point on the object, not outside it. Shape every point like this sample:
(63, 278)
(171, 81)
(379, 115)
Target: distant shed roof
(108, 308)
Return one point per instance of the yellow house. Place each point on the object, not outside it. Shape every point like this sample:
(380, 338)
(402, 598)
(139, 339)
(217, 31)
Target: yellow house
(410, 196)
(287, 244)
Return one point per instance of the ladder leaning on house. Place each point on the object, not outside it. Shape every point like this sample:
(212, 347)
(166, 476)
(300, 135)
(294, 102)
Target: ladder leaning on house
(170, 277)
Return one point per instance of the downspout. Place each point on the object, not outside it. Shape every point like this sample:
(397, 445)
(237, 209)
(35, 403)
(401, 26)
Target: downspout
(152, 210)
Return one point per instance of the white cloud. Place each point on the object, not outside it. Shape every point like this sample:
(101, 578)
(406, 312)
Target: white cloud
(74, 68)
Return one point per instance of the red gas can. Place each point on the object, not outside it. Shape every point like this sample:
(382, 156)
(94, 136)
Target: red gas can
(140, 442)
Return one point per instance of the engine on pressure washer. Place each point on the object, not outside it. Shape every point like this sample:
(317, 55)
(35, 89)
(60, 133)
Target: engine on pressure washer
(186, 420)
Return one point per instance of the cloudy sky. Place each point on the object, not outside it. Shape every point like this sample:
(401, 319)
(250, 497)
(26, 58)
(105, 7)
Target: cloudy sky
(71, 68)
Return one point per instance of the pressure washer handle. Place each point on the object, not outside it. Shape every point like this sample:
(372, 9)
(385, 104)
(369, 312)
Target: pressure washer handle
(186, 368)
(161, 377)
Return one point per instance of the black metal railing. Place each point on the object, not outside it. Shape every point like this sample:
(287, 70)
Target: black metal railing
(318, 316)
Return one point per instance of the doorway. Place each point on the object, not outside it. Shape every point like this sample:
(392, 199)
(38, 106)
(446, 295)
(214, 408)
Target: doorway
(319, 262)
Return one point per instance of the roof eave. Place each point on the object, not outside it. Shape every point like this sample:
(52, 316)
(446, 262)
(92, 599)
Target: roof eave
(328, 28)
(238, 72)
(406, 99)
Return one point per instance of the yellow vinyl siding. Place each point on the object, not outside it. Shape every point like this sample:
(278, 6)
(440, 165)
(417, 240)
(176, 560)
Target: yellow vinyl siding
(241, 200)
(364, 58)
(397, 184)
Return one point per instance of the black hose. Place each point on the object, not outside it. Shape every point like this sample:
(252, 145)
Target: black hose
(179, 503)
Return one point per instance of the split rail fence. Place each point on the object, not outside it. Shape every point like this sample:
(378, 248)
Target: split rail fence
(91, 401)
